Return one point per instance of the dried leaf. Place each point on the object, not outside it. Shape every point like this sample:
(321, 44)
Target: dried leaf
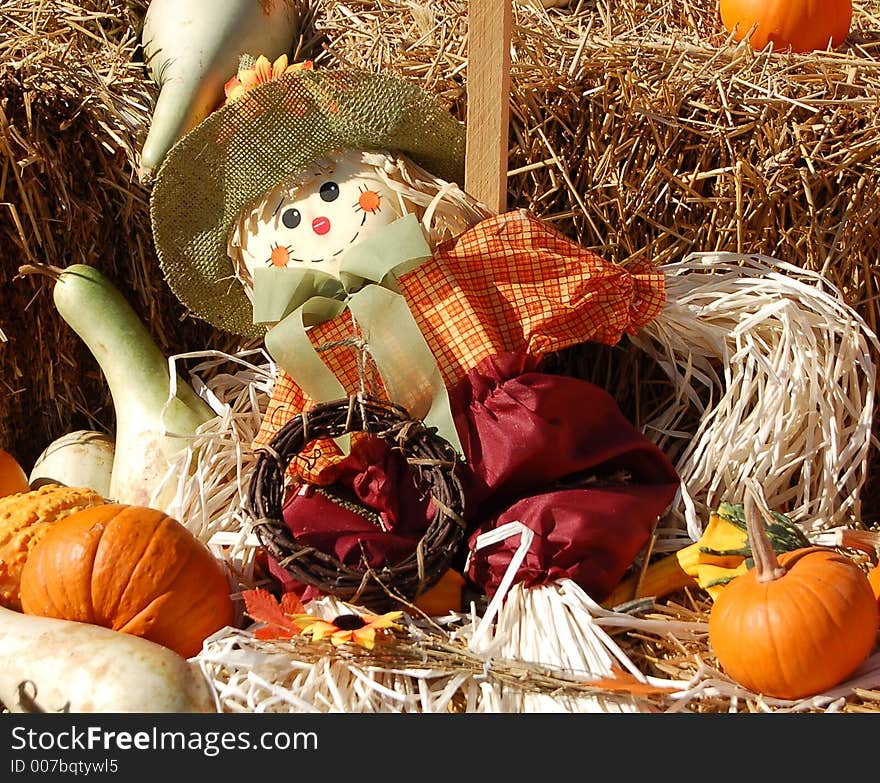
(263, 607)
(291, 604)
(624, 682)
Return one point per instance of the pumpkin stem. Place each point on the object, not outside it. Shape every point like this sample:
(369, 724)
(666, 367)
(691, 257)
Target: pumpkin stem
(767, 568)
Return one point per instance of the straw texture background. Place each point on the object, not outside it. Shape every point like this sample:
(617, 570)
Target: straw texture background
(636, 128)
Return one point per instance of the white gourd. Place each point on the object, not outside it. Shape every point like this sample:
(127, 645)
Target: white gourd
(52, 665)
(82, 458)
(193, 47)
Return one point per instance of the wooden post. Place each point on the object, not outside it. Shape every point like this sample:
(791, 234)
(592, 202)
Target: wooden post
(488, 101)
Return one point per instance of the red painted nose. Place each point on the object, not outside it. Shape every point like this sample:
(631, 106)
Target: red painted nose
(321, 225)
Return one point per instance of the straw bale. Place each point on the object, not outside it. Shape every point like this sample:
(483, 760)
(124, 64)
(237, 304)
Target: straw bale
(637, 128)
(74, 107)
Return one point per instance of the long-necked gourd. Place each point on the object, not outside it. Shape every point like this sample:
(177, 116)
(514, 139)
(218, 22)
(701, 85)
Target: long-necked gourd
(52, 665)
(192, 47)
(139, 378)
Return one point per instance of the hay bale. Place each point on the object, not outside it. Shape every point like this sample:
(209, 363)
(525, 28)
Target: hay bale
(637, 128)
(71, 108)
(74, 108)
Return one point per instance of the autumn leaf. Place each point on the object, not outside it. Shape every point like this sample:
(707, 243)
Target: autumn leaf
(624, 682)
(291, 604)
(281, 619)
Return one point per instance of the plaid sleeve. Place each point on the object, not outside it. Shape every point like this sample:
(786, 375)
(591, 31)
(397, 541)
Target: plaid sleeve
(514, 283)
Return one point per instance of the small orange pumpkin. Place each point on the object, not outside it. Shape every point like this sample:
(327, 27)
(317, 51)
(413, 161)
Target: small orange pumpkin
(130, 568)
(801, 25)
(874, 580)
(13, 479)
(795, 625)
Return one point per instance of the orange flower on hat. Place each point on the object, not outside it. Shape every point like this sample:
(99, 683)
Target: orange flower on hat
(261, 72)
(356, 628)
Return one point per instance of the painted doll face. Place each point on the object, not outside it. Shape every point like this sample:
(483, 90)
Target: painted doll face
(313, 225)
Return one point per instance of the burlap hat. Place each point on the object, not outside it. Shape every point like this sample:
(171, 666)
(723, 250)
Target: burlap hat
(248, 146)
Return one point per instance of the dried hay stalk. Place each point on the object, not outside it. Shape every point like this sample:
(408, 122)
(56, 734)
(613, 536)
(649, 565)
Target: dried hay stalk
(75, 102)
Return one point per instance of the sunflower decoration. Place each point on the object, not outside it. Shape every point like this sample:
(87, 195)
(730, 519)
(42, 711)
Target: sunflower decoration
(288, 618)
(260, 71)
(362, 629)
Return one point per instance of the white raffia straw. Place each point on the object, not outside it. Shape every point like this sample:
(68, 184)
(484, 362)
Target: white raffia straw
(555, 625)
(211, 475)
(780, 371)
(484, 627)
(250, 675)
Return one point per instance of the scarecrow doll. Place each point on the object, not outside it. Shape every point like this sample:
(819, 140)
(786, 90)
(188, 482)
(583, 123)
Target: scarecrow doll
(319, 210)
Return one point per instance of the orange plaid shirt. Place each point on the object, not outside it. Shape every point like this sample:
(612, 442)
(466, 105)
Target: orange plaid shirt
(510, 283)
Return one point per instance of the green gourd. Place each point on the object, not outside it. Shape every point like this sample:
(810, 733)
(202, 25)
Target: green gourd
(138, 374)
(193, 47)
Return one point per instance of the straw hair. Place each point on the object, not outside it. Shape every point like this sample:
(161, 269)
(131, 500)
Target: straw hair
(249, 146)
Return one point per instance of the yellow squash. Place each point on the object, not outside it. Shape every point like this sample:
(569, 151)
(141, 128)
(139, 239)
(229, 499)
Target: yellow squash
(721, 553)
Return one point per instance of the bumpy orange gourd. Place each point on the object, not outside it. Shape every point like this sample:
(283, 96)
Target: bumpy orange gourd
(795, 626)
(801, 25)
(25, 517)
(130, 568)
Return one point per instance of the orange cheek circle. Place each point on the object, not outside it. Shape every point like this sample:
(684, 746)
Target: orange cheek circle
(280, 256)
(369, 201)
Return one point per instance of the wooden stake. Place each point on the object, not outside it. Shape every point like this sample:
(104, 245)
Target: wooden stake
(488, 100)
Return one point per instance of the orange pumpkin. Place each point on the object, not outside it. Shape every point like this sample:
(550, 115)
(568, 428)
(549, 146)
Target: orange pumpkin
(444, 597)
(874, 580)
(130, 568)
(795, 625)
(13, 479)
(801, 25)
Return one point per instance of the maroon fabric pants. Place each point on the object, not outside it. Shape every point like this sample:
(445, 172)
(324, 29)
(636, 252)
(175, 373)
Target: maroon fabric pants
(552, 452)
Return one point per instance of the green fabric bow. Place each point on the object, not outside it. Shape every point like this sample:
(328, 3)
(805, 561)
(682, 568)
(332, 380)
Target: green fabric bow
(293, 299)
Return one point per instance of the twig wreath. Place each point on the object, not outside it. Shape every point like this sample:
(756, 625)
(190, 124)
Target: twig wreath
(433, 463)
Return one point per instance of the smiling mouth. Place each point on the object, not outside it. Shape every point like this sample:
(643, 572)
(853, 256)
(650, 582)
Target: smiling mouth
(324, 258)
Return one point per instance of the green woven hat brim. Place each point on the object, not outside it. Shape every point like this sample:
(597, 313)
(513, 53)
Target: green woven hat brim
(243, 150)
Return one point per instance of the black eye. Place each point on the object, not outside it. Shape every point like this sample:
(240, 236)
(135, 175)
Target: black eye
(291, 218)
(329, 191)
